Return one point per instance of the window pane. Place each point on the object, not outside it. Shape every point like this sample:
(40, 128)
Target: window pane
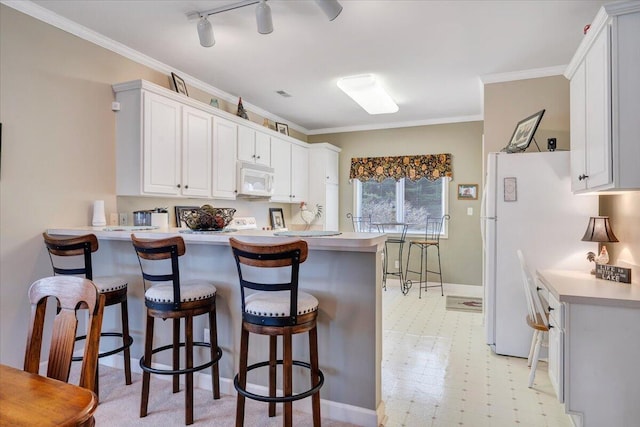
(379, 200)
(421, 199)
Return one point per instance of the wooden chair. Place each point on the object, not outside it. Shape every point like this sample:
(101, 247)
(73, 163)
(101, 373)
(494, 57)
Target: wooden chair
(433, 231)
(276, 309)
(537, 317)
(361, 224)
(76, 252)
(175, 300)
(72, 294)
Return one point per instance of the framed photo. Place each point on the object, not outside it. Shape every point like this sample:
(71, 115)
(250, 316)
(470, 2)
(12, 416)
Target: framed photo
(282, 128)
(523, 133)
(510, 189)
(179, 211)
(277, 218)
(179, 84)
(467, 191)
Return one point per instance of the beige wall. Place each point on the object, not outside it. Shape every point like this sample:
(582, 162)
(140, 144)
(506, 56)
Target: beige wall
(624, 211)
(462, 251)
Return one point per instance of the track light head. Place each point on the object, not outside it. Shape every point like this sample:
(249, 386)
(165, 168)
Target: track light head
(263, 18)
(331, 8)
(205, 32)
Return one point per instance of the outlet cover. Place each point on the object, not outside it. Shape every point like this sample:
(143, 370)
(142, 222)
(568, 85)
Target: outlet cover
(122, 219)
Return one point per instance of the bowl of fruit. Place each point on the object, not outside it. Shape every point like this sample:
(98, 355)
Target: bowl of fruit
(208, 218)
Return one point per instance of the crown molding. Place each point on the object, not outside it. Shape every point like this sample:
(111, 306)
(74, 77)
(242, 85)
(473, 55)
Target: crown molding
(440, 121)
(71, 27)
(535, 73)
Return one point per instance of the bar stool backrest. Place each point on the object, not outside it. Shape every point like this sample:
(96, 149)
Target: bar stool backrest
(285, 255)
(69, 247)
(361, 224)
(171, 249)
(433, 229)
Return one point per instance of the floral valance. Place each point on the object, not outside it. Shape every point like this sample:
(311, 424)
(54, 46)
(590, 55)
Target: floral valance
(429, 166)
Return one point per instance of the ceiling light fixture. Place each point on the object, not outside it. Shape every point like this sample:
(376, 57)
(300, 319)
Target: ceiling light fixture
(368, 93)
(331, 8)
(205, 32)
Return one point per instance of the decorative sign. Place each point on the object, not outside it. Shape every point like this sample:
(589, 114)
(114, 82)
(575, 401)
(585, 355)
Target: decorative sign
(613, 273)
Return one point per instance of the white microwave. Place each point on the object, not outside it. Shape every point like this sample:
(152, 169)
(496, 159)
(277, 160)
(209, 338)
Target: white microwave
(254, 181)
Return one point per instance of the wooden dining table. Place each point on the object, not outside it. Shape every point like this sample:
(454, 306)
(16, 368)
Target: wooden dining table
(34, 400)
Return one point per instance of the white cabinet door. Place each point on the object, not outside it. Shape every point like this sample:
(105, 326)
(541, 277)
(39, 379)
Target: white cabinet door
(578, 130)
(263, 149)
(281, 164)
(196, 152)
(299, 173)
(331, 214)
(225, 140)
(332, 162)
(161, 145)
(598, 113)
(556, 358)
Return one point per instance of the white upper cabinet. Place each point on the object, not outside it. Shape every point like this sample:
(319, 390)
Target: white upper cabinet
(323, 184)
(291, 171)
(196, 152)
(605, 100)
(299, 173)
(225, 135)
(254, 146)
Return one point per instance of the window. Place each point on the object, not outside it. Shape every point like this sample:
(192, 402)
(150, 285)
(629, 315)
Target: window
(403, 201)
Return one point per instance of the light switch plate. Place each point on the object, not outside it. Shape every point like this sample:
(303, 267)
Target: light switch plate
(470, 211)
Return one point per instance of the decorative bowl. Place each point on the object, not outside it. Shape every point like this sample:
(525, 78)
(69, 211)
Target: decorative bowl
(208, 218)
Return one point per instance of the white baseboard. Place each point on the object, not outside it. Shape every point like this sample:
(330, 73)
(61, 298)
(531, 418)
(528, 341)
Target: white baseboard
(330, 410)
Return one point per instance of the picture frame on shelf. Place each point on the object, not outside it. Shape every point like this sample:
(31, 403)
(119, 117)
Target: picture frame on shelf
(282, 128)
(179, 84)
(523, 133)
(179, 210)
(467, 191)
(276, 216)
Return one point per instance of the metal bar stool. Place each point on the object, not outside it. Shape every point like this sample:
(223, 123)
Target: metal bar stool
(361, 224)
(112, 287)
(276, 309)
(175, 300)
(400, 241)
(431, 239)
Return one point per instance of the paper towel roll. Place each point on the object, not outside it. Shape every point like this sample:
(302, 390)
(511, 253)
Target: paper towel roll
(99, 218)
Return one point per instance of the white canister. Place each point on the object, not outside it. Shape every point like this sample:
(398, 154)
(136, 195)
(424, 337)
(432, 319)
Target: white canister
(99, 218)
(160, 220)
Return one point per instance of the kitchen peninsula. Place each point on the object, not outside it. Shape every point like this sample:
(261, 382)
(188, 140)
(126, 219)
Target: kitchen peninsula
(342, 271)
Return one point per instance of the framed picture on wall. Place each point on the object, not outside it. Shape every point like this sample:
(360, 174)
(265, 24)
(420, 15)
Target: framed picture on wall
(282, 128)
(467, 191)
(277, 218)
(179, 84)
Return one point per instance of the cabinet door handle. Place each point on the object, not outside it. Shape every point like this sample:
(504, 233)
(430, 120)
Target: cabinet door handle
(550, 326)
(550, 308)
(258, 157)
(178, 185)
(583, 176)
(186, 186)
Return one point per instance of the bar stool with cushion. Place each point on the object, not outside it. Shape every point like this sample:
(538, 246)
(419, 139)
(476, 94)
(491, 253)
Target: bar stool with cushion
(175, 300)
(76, 253)
(431, 239)
(276, 309)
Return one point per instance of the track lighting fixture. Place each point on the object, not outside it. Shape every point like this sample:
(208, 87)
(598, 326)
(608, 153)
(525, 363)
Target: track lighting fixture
(264, 22)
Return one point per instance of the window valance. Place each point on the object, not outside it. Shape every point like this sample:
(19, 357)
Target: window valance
(429, 166)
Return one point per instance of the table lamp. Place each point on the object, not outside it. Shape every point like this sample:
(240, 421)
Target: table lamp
(599, 230)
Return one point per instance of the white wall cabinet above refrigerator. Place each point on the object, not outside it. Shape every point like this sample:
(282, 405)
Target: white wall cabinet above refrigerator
(323, 184)
(605, 100)
(254, 146)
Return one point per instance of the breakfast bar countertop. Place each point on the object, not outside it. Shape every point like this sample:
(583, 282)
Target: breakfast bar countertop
(345, 241)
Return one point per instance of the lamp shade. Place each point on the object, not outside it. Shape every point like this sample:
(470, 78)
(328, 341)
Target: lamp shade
(599, 230)
(205, 32)
(263, 18)
(331, 8)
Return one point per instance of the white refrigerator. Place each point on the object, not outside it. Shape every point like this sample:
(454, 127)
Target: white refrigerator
(527, 205)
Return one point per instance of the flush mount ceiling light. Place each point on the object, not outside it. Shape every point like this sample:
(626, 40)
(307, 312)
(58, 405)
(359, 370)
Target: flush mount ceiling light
(368, 93)
(331, 8)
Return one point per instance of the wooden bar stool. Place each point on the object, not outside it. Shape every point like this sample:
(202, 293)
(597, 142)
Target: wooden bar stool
(276, 309)
(112, 287)
(175, 300)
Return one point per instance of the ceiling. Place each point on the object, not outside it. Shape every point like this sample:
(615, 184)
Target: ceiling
(432, 56)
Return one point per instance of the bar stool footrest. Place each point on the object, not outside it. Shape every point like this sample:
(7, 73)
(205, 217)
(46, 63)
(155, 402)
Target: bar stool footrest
(127, 344)
(279, 399)
(180, 371)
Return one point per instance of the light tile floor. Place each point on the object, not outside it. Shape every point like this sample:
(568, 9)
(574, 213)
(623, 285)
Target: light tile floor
(438, 371)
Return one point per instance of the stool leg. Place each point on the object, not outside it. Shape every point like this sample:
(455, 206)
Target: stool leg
(315, 378)
(423, 259)
(440, 271)
(287, 380)
(188, 395)
(273, 353)
(242, 375)
(176, 354)
(148, 347)
(213, 339)
(124, 311)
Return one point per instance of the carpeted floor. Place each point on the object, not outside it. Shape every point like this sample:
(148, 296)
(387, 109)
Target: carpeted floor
(120, 406)
(459, 303)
